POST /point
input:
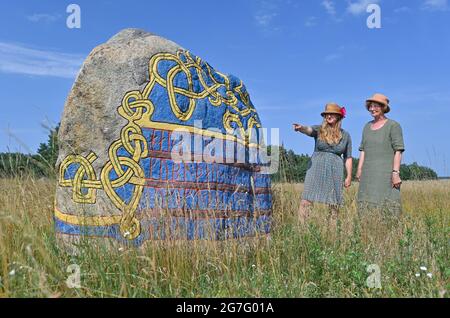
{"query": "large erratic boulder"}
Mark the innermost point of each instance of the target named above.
(156, 144)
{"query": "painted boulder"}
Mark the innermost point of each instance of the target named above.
(156, 144)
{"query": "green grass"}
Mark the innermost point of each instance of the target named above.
(312, 261)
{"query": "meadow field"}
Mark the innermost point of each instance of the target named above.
(316, 260)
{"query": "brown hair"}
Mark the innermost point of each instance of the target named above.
(383, 107)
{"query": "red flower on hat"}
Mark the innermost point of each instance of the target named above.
(343, 111)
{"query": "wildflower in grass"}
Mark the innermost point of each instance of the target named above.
(423, 268)
(430, 275)
(12, 273)
(417, 274)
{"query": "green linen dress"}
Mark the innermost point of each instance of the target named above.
(325, 175)
(375, 187)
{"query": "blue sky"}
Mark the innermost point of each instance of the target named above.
(293, 56)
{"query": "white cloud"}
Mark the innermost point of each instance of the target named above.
(19, 59)
(436, 5)
(360, 6)
(329, 7)
(265, 15)
(332, 57)
(343, 51)
(402, 9)
(44, 17)
(266, 12)
(310, 22)
(264, 19)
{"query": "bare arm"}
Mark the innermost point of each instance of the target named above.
(307, 130)
(360, 165)
(348, 168)
(396, 181)
(397, 160)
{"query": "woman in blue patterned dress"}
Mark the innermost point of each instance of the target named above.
(333, 150)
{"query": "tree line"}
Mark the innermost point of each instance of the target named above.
(292, 167)
(41, 164)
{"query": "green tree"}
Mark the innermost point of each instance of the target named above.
(41, 164)
(47, 153)
(421, 173)
(405, 172)
(14, 164)
(293, 168)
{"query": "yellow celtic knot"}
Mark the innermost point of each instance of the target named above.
(78, 182)
(186, 65)
(127, 169)
(246, 134)
(137, 109)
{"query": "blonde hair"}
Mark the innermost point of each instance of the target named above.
(332, 135)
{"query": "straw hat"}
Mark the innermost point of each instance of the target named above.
(333, 108)
(381, 99)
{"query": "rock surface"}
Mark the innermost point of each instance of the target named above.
(117, 175)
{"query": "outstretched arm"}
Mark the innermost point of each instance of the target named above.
(307, 130)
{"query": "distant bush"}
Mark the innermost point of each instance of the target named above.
(293, 168)
(416, 172)
(41, 164)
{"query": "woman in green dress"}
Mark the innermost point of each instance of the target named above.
(379, 161)
(324, 179)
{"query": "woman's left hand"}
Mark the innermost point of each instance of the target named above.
(348, 182)
(396, 181)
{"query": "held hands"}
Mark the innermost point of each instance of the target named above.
(396, 181)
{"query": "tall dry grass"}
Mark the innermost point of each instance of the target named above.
(316, 260)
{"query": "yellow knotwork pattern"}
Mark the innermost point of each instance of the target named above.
(246, 134)
(188, 67)
(252, 123)
(127, 169)
(137, 109)
(79, 182)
